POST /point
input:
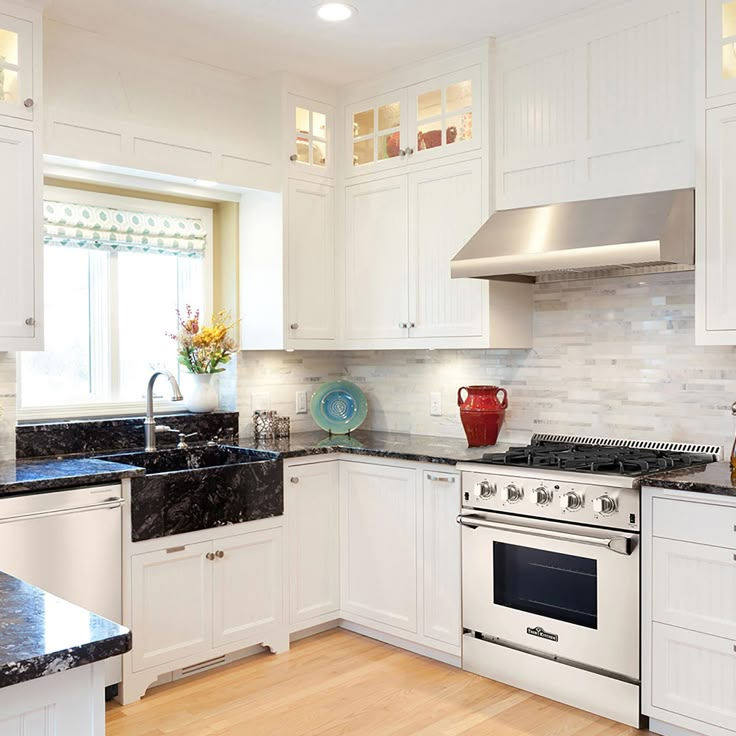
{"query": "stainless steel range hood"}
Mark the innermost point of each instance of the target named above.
(610, 236)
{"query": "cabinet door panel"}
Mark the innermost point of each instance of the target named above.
(441, 535)
(313, 523)
(172, 604)
(311, 254)
(17, 234)
(445, 211)
(376, 260)
(248, 597)
(720, 49)
(694, 675)
(720, 219)
(378, 539)
(16, 67)
(694, 587)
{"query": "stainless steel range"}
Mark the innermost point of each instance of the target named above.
(550, 545)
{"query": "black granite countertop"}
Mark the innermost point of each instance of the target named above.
(419, 448)
(714, 478)
(31, 476)
(41, 634)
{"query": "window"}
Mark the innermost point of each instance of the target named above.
(114, 276)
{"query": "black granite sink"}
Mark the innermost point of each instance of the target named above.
(201, 488)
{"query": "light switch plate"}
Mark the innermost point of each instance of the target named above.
(261, 401)
(435, 404)
(301, 402)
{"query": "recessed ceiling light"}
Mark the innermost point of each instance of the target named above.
(335, 11)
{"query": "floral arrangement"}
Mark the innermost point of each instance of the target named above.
(203, 348)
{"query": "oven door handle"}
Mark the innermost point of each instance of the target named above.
(620, 545)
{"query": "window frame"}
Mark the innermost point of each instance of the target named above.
(121, 408)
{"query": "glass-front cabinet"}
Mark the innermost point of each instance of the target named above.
(444, 114)
(375, 134)
(16, 67)
(310, 136)
(438, 117)
(721, 47)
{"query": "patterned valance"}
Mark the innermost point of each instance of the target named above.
(106, 228)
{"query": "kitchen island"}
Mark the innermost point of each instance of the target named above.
(52, 678)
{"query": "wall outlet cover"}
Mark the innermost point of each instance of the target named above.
(301, 402)
(435, 404)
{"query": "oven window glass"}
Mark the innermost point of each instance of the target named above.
(562, 587)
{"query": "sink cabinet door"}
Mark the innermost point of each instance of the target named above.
(172, 604)
(248, 591)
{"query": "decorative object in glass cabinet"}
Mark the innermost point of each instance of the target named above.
(728, 27)
(445, 115)
(377, 134)
(311, 137)
(8, 66)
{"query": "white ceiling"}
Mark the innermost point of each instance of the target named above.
(256, 37)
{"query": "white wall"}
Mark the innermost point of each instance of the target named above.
(126, 105)
(612, 357)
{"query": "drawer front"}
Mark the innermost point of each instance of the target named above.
(714, 525)
(694, 675)
(694, 587)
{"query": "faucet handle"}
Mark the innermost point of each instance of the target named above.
(164, 428)
(183, 437)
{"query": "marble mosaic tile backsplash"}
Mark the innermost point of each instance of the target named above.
(612, 357)
(7, 406)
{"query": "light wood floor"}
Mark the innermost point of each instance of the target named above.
(342, 683)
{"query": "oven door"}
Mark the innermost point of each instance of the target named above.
(554, 588)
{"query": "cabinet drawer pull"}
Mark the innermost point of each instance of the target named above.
(219, 554)
(293, 157)
(440, 478)
(210, 556)
(294, 326)
(172, 550)
(30, 322)
(294, 479)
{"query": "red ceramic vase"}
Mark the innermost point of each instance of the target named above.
(482, 413)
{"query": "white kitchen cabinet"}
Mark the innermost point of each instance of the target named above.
(376, 260)
(310, 251)
(716, 244)
(172, 613)
(247, 588)
(688, 612)
(401, 233)
(597, 104)
(310, 142)
(441, 556)
(312, 508)
(21, 252)
(379, 542)
(16, 66)
(720, 46)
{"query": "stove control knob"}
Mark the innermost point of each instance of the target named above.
(541, 496)
(570, 501)
(484, 489)
(604, 505)
(512, 493)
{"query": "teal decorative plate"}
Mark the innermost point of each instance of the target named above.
(338, 407)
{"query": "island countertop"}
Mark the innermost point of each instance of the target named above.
(41, 634)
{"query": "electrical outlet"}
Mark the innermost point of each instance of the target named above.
(435, 404)
(261, 401)
(301, 402)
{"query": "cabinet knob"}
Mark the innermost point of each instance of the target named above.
(28, 102)
(403, 325)
(210, 556)
(293, 157)
(294, 479)
(409, 150)
(412, 324)
(402, 152)
(219, 554)
(31, 322)
(294, 326)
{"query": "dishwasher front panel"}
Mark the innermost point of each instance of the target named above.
(68, 543)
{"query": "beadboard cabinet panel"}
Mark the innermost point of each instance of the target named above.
(586, 101)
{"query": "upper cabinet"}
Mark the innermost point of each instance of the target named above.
(437, 117)
(598, 104)
(16, 67)
(311, 137)
(21, 251)
(721, 47)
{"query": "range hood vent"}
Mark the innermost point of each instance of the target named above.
(599, 237)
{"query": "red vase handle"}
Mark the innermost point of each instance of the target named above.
(460, 399)
(505, 402)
